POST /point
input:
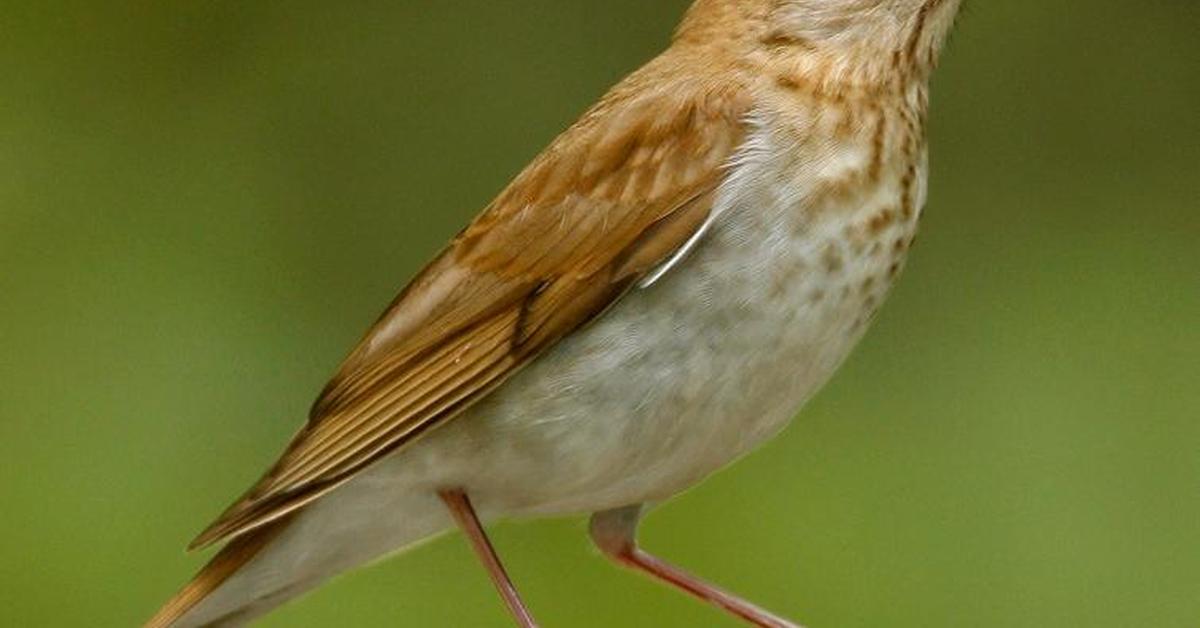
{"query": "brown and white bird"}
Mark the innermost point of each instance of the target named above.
(654, 296)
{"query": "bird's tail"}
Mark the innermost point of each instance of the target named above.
(227, 562)
(359, 523)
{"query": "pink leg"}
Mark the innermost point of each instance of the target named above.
(464, 516)
(615, 533)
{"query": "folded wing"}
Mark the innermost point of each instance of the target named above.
(608, 202)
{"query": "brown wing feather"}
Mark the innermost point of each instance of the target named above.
(607, 202)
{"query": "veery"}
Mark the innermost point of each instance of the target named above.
(654, 296)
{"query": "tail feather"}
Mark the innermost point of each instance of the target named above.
(381, 512)
(228, 561)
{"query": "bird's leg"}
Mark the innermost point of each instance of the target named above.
(615, 533)
(464, 515)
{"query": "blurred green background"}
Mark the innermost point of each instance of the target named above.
(203, 204)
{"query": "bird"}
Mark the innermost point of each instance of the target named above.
(654, 296)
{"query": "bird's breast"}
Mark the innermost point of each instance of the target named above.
(681, 377)
(813, 226)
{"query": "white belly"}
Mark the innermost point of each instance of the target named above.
(680, 378)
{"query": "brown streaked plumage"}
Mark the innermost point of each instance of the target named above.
(793, 130)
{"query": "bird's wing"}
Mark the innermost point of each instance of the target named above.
(609, 200)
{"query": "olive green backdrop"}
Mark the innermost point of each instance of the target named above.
(203, 205)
